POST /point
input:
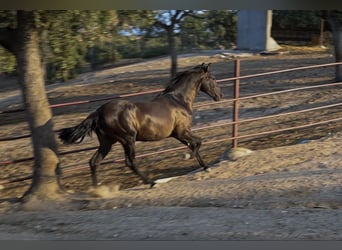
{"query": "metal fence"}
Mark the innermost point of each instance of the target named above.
(236, 100)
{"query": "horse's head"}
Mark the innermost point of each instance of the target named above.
(209, 84)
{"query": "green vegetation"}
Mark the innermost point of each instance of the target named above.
(73, 41)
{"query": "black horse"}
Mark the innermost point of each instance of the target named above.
(168, 115)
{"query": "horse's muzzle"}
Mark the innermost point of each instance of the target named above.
(218, 97)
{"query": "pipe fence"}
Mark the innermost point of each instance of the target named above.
(234, 123)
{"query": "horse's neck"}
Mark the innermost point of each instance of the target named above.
(187, 92)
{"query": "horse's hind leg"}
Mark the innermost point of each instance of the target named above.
(129, 147)
(100, 154)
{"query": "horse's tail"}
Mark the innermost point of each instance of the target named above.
(76, 134)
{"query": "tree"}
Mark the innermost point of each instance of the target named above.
(310, 20)
(193, 33)
(72, 37)
(67, 39)
(222, 27)
(169, 21)
(23, 42)
(22, 36)
(334, 18)
(304, 20)
(211, 29)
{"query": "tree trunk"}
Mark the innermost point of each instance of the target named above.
(172, 51)
(335, 20)
(337, 34)
(46, 172)
(92, 58)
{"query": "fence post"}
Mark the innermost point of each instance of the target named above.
(236, 104)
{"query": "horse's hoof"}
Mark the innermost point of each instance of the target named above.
(207, 170)
(187, 156)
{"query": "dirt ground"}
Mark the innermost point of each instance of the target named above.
(288, 187)
(285, 193)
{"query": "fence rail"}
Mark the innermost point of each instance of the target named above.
(234, 123)
(60, 105)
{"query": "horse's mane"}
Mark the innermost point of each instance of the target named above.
(176, 81)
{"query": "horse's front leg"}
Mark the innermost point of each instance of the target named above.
(194, 143)
(129, 148)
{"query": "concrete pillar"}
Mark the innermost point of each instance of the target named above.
(254, 31)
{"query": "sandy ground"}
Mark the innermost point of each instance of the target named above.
(288, 198)
(287, 192)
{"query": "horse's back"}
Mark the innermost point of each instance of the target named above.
(147, 121)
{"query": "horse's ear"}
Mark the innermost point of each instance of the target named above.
(202, 67)
(205, 67)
